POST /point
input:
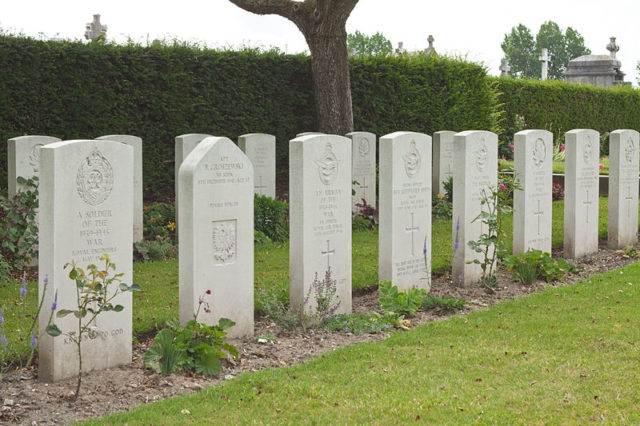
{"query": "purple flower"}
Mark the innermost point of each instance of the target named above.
(54, 306)
(46, 280)
(3, 340)
(424, 249)
(456, 244)
(458, 225)
(2, 315)
(34, 340)
(23, 289)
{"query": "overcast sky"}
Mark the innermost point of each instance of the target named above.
(473, 29)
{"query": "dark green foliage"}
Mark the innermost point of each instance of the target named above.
(161, 248)
(360, 44)
(402, 302)
(271, 218)
(18, 227)
(159, 221)
(534, 264)
(442, 304)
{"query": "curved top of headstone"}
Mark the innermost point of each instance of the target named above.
(36, 138)
(254, 135)
(125, 139)
(207, 146)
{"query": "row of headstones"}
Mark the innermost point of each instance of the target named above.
(86, 205)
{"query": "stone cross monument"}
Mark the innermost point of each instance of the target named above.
(504, 68)
(95, 29)
(430, 50)
(544, 58)
(400, 50)
(612, 47)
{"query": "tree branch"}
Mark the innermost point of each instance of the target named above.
(286, 8)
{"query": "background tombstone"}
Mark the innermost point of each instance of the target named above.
(363, 168)
(24, 158)
(261, 150)
(184, 144)
(582, 155)
(299, 135)
(475, 169)
(86, 210)
(405, 210)
(623, 188)
(320, 216)
(442, 160)
(532, 206)
(138, 204)
(216, 235)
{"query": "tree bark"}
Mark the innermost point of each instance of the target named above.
(322, 22)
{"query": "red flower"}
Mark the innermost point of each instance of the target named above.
(208, 311)
(561, 147)
(502, 186)
(208, 291)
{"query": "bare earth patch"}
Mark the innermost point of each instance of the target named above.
(27, 401)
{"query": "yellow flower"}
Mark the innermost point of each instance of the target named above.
(171, 226)
(440, 196)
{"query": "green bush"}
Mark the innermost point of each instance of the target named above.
(18, 226)
(159, 222)
(532, 264)
(271, 218)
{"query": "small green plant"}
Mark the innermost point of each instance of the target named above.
(267, 337)
(195, 347)
(162, 248)
(159, 222)
(366, 218)
(442, 303)
(325, 297)
(496, 203)
(18, 227)
(5, 269)
(94, 296)
(532, 264)
(273, 302)
(271, 217)
(402, 302)
(365, 323)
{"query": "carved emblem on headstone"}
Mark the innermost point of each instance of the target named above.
(481, 155)
(539, 152)
(34, 157)
(328, 165)
(363, 147)
(588, 151)
(94, 179)
(412, 160)
(224, 241)
(629, 151)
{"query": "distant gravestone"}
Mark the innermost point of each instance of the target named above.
(216, 235)
(320, 217)
(299, 135)
(136, 143)
(623, 188)
(581, 191)
(363, 168)
(24, 159)
(184, 144)
(532, 206)
(405, 210)
(442, 160)
(476, 154)
(86, 211)
(261, 150)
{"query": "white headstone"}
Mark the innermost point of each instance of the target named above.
(183, 146)
(405, 210)
(299, 135)
(476, 169)
(136, 143)
(320, 217)
(86, 211)
(261, 150)
(442, 160)
(532, 206)
(216, 235)
(582, 155)
(544, 59)
(24, 158)
(363, 168)
(623, 188)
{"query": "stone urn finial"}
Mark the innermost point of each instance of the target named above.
(612, 47)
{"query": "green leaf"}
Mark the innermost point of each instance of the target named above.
(124, 287)
(64, 312)
(53, 330)
(135, 287)
(225, 323)
(207, 361)
(118, 308)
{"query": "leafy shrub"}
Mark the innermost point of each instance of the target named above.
(271, 217)
(260, 238)
(162, 248)
(159, 222)
(443, 203)
(366, 218)
(532, 264)
(273, 302)
(18, 227)
(5, 269)
(402, 302)
(557, 192)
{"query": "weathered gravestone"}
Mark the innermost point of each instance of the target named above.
(86, 211)
(405, 210)
(475, 170)
(261, 150)
(581, 192)
(442, 160)
(24, 159)
(623, 188)
(184, 144)
(136, 143)
(216, 235)
(319, 218)
(363, 168)
(532, 206)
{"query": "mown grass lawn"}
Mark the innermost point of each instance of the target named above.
(567, 355)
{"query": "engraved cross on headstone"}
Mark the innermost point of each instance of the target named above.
(629, 198)
(539, 214)
(260, 185)
(328, 253)
(587, 204)
(412, 230)
(364, 187)
(544, 58)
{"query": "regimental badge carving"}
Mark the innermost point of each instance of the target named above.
(587, 153)
(412, 160)
(363, 147)
(34, 158)
(629, 151)
(328, 165)
(224, 241)
(539, 152)
(94, 179)
(481, 155)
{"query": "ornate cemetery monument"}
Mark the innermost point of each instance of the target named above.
(405, 210)
(320, 217)
(86, 211)
(216, 235)
(597, 70)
